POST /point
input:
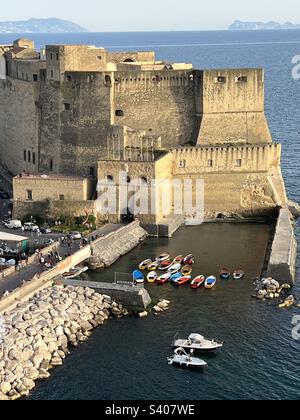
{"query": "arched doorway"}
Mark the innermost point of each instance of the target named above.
(127, 216)
(129, 60)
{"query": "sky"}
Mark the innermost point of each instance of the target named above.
(154, 15)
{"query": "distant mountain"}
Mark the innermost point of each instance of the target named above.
(255, 26)
(51, 25)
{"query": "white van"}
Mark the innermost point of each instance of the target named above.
(14, 224)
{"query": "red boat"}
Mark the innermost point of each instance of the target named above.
(183, 280)
(163, 279)
(189, 260)
(198, 282)
(179, 259)
(165, 265)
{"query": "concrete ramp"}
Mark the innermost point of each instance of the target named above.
(129, 296)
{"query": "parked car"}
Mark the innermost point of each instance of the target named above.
(76, 236)
(46, 230)
(31, 227)
(13, 224)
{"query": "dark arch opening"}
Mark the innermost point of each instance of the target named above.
(129, 60)
(108, 80)
(119, 113)
(127, 216)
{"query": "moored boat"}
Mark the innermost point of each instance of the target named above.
(163, 279)
(153, 266)
(145, 264)
(165, 265)
(197, 282)
(187, 270)
(163, 257)
(175, 277)
(152, 277)
(138, 277)
(183, 359)
(210, 282)
(183, 280)
(197, 342)
(174, 268)
(189, 260)
(179, 259)
(238, 274)
(225, 274)
(75, 272)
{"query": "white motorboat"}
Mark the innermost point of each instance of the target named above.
(183, 359)
(197, 342)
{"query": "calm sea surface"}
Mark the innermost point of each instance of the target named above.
(126, 359)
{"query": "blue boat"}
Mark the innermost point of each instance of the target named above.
(138, 277)
(175, 277)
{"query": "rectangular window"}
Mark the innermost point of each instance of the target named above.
(182, 164)
(67, 107)
(61, 197)
(51, 56)
(238, 163)
(210, 163)
(241, 79)
(35, 77)
(29, 156)
(51, 165)
(52, 74)
(29, 195)
(57, 57)
(220, 79)
(92, 171)
(25, 155)
(33, 158)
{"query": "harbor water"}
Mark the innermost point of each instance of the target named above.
(126, 359)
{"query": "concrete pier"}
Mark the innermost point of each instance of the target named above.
(129, 296)
(282, 263)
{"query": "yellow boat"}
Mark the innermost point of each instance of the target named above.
(144, 264)
(187, 270)
(152, 277)
(153, 266)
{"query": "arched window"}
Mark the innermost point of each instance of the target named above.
(108, 80)
(119, 113)
(128, 60)
(143, 180)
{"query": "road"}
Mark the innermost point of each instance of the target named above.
(27, 273)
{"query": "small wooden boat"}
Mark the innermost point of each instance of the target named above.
(183, 280)
(183, 359)
(152, 277)
(165, 265)
(175, 277)
(210, 282)
(238, 274)
(187, 270)
(174, 268)
(179, 259)
(153, 266)
(75, 272)
(145, 264)
(163, 257)
(225, 274)
(138, 277)
(197, 282)
(189, 260)
(163, 279)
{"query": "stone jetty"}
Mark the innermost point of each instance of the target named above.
(36, 335)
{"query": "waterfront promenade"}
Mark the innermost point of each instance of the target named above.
(27, 273)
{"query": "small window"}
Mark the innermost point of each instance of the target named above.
(242, 79)
(25, 155)
(238, 163)
(35, 77)
(51, 56)
(108, 80)
(29, 195)
(144, 180)
(67, 106)
(61, 197)
(69, 78)
(119, 113)
(29, 156)
(52, 74)
(182, 164)
(51, 165)
(90, 78)
(92, 171)
(57, 57)
(128, 179)
(110, 178)
(33, 158)
(220, 79)
(99, 57)
(210, 163)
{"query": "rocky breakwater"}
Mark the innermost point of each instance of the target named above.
(35, 337)
(270, 289)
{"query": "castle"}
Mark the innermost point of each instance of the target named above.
(73, 115)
